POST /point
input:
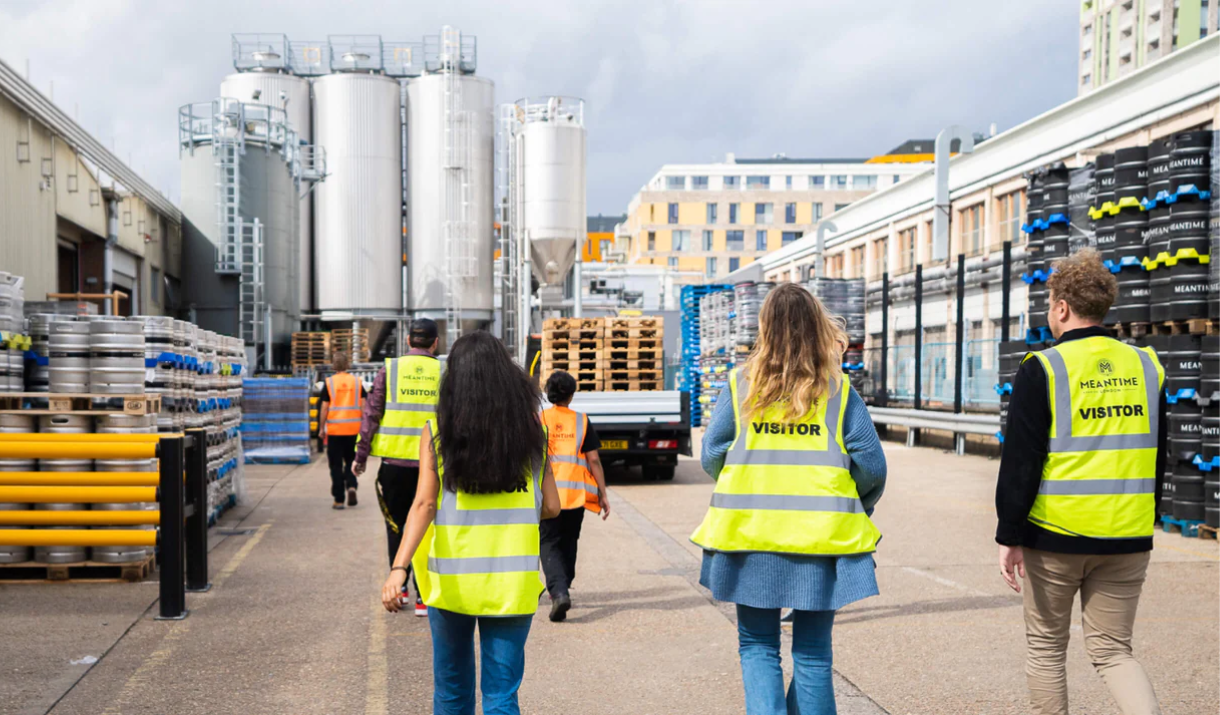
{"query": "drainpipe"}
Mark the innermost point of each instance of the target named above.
(940, 215)
(112, 239)
(819, 261)
(577, 308)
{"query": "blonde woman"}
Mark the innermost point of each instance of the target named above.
(798, 468)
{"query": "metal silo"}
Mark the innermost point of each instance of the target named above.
(551, 156)
(358, 209)
(450, 189)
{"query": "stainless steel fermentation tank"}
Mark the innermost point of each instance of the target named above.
(289, 92)
(450, 197)
(358, 209)
(551, 157)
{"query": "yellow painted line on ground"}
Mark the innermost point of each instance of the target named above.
(240, 556)
(1200, 554)
(377, 696)
(137, 686)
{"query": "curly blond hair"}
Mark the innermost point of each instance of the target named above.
(1088, 286)
(798, 357)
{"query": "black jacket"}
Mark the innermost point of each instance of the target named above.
(1026, 445)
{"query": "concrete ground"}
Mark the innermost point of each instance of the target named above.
(294, 625)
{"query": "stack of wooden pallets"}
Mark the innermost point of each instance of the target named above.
(310, 349)
(574, 345)
(354, 342)
(633, 358)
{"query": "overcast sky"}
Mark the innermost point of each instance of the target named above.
(663, 81)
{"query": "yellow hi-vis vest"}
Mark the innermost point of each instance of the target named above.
(577, 486)
(480, 556)
(1099, 479)
(411, 388)
(786, 486)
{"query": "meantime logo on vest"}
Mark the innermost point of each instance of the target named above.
(802, 429)
(1107, 381)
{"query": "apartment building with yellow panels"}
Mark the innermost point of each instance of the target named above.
(703, 221)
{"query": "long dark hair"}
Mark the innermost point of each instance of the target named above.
(489, 431)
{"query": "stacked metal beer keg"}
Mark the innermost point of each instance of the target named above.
(1179, 258)
(116, 357)
(63, 424)
(16, 424)
(68, 356)
(1123, 223)
(1037, 267)
(123, 424)
(12, 321)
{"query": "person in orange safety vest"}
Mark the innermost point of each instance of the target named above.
(582, 485)
(342, 400)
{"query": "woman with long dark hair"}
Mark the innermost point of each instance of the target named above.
(798, 469)
(472, 532)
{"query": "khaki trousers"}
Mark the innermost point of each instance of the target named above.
(1109, 589)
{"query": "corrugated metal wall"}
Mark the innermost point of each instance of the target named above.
(27, 201)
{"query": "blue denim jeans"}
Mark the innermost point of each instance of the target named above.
(812, 688)
(502, 643)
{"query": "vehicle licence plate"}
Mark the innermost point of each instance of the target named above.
(614, 444)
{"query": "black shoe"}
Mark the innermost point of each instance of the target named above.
(351, 496)
(559, 607)
(337, 505)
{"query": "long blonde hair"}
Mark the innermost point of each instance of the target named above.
(798, 357)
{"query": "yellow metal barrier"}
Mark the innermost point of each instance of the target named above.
(80, 479)
(82, 438)
(31, 517)
(78, 537)
(29, 449)
(71, 495)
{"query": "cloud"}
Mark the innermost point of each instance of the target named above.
(664, 81)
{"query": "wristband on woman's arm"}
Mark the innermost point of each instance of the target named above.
(398, 568)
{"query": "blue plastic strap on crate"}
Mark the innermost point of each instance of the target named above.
(1124, 262)
(1054, 219)
(1207, 466)
(36, 358)
(853, 366)
(1186, 393)
(1005, 389)
(1000, 436)
(1191, 190)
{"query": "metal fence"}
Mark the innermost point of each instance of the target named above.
(980, 370)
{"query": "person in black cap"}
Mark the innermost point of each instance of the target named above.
(403, 400)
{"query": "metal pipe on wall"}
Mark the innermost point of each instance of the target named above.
(913, 435)
(1005, 298)
(959, 332)
(578, 288)
(940, 213)
(885, 338)
(112, 239)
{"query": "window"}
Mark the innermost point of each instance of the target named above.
(760, 240)
(897, 178)
(881, 256)
(1088, 30)
(604, 247)
(840, 207)
(1087, 55)
(154, 285)
(681, 241)
(789, 237)
(732, 182)
(857, 262)
(758, 182)
(675, 183)
(673, 213)
(733, 213)
(834, 266)
(735, 240)
(698, 183)
(711, 267)
(1202, 19)
(1008, 208)
(734, 263)
(789, 213)
(652, 240)
(1086, 80)
(838, 182)
(972, 230)
(673, 261)
(863, 182)
(817, 211)
(763, 214)
(817, 182)
(788, 182)
(707, 240)
(711, 212)
(906, 250)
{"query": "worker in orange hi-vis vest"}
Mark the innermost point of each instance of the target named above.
(582, 485)
(342, 400)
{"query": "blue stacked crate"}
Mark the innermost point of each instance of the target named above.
(275, 420)
(689, 374)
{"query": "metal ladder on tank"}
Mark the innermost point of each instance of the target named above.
(460, 264)
(227, 152)
(506, 267)
(251, 300)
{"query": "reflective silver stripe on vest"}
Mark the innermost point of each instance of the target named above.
(401, 431)
(331, 421)
(1097, 486)
(579, 486)
(391, 388)
(780, 502)
(481, 564)
(1063, 441)
(565, 459)
(832, 456)
(409, 407)
(449, 514)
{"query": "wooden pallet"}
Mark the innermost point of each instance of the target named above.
(634, 385)
(648, 364)
(1130, 330)
(94, 571)
(1207, 532)
(570, 345)
(632, 354)
(571, 366)
(640, 375)
(66, 404)
(641, 322)
(571, 354)
(1197, 326)
(634, 333)
(636, 343)
(588, 385)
